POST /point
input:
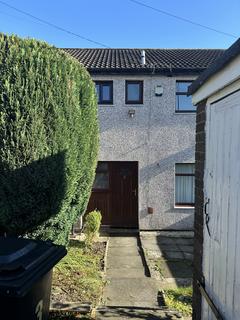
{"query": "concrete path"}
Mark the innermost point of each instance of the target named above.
(169, 256)
(130, 292)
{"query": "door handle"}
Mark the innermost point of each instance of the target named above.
(207, 217)
(135, 192)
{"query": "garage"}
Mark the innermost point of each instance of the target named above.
(217, 221)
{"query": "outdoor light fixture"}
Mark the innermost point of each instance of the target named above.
(131, 113)
(150, 210)
(158, 91)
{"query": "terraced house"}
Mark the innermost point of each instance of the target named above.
(145, 175)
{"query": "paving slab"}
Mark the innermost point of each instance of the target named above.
(173, 255)
(160, 240)
(188, 256)
(133, 273)
(171, 234)
(186, 248)
(123, 241)
(141, 292)
(185, 241)
(175, 269)
(173, 283)
(160, 247)
(123, 251)
(124, 262)
(124, 313)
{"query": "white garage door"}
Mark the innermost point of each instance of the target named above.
(221, 257)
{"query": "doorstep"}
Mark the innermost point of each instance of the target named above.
(110, 231)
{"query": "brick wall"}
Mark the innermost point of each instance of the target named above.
(199, 203)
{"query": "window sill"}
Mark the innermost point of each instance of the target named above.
(184, 207)
(185, 112)
(106, 105)
(134, 102)
(134, 105)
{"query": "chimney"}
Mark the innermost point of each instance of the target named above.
(143, 58)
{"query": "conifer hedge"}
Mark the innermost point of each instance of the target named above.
(48, 139)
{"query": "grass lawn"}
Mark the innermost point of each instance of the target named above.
(78, 276)
(179, 299)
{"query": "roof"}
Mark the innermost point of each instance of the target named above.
(157, 60)
(219, 64)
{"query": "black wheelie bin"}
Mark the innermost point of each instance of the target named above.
(26, 277)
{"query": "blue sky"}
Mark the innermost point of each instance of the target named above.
(124, 24)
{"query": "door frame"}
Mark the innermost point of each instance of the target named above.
(108, 191)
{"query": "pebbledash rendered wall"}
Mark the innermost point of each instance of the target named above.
(157, 138)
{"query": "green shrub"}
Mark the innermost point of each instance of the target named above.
(48, 139)
(92, 226)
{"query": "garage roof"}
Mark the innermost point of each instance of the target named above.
(220, 63)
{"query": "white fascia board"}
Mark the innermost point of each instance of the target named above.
(224, 77)
(234, 86)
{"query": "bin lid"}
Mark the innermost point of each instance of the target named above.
(24, 261)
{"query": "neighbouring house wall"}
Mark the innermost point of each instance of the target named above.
(157, 138)
(199, 204)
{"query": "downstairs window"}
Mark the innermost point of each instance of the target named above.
(184, 184)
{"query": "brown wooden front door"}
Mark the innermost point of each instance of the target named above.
(115, 193)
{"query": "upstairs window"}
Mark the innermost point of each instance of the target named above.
(183, 102)
(184, 184)
(134, 92)
(104, 91)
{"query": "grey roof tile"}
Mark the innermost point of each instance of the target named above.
(159, 60)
